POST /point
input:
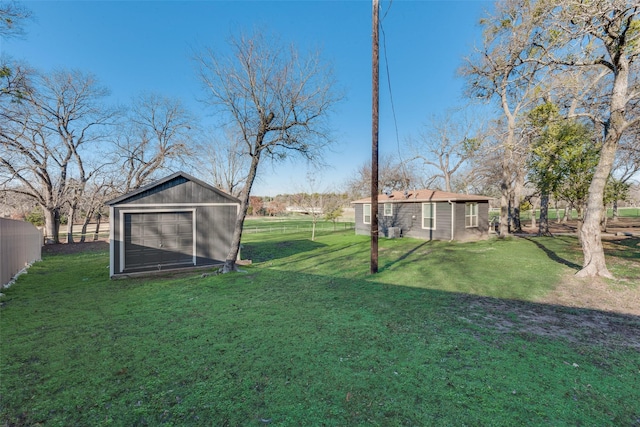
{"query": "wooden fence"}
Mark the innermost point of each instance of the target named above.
(20, 245)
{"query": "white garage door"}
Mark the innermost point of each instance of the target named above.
(158, 239)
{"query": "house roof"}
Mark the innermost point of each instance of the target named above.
(165, 180)
(424, 195)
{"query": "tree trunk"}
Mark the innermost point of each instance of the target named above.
(594, 260)
(70, 220)
(503, 230)
(51, 225)
(517, 200)
(96, 233)
(85, 225)
(505, 193)
(447, 181)
(603, 222)
(230, 262)
(517, 224)
(567, 212)
(589, 228)
(615, 211)
(543, 229)
(533, 215)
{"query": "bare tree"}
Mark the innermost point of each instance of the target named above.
(604, 37)
(225, 162)
(501, 71)
(13, 16)
(317, 203)
(445, 145)
(393, 175)
(100, 189)
(277, 101)
(157, 132)
(48, 126)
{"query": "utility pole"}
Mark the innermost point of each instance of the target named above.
(374, 139)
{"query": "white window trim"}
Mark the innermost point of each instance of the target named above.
(390, 206)
(364, 213)
(433, 215)
(474, 224)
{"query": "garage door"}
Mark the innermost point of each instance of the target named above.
(158, 239)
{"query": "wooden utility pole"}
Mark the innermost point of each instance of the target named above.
(374, 140)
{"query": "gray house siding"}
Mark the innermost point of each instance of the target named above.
(408, 217)
(361, 228)
(462, 232)
(180, 222)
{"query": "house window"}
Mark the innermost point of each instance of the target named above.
(388, 209)
(470, 215)
(429, 216)
(366, 214)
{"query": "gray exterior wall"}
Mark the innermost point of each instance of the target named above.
(472, 233)
(214, 216)
(408, 216)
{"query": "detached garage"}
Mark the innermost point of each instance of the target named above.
(176, 222)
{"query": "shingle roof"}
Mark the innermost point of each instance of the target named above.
(424, 195)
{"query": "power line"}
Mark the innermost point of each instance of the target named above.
(393, 108)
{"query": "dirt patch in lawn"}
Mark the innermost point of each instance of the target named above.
(623, 226)
(595, 293)
(74, 248)
(576, 325)
(581, 310)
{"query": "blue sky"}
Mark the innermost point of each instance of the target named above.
(135, 46)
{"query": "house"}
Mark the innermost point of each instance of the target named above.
(426, 214)
(175, 222)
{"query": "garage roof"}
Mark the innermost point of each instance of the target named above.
(162, 181)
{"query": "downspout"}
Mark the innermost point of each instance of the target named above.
(453, 218)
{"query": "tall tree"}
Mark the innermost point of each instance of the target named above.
(562, 160)
(500, 71)
(157, 133)
(393, 175)
(603, 36)
(13, 16)
(48, 126)
(445, 146)
(276, 100)
(223, 160)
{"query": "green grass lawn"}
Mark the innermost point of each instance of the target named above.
(305, 336)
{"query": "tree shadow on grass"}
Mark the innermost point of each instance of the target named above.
(268, 251)
(554, 256)
(624, 247)
(404, 256)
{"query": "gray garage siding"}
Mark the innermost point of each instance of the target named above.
(178, 221)
(212, 242)
(222, 236)
(178, 190)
